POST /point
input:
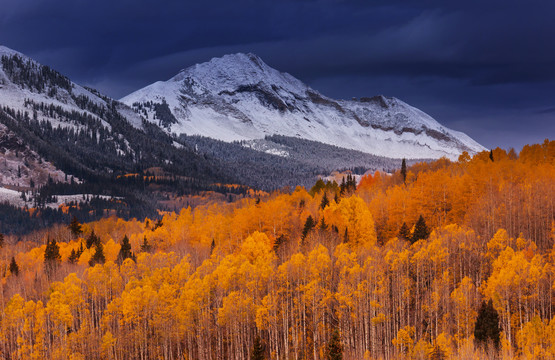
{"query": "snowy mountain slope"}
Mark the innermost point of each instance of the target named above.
(23, 80)
(82, 132)
(20, 166)
(239, 97)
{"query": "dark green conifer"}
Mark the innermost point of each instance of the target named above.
(146, 247)
(421, 230)
(334, 350)
(404, 232)
(257, 349)
(92, 240)
(343, 187)
(346, 236)
(325, 201)
(14, 268)
(52, 257)
(280, 240)
(486, 329)
(98, 257)
(404, 171)
(323, 225)
(125, 251)
(308, 225)
(75, 227)
(72, 259)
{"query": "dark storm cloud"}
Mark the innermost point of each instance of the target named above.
(483, 67)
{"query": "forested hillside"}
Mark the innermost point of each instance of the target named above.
(441, 260)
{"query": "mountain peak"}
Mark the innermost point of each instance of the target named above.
(229, 72)
(240, 97)
(4, 50)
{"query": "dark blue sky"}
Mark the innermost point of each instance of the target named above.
(483, 67)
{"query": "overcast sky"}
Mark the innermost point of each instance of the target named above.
(483, 67)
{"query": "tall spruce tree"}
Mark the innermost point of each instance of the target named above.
(404, 232)
(14, 268)
(125, 251)
(280, 240)
(98, 257)
(404, 171)
(257, 349)
(346, 236)
(308, 226)
(486, 329)
(75, 227)
(1, 240)
(92, 240)
(325, 201)
(421, 230)
(72, 259)
(323, 225)
(334, 351)
(52, 257)
(146, 247)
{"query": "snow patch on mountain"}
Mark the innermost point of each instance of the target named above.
(15, 97)
(20, 166)
(239, 97)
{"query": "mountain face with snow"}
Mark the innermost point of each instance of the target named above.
(58, 138)
(239, 97)
(80, 131)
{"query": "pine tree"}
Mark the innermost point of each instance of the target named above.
(125, 251)
(212, 246)
(146, 247)
(421, 230)
(52, 257)
(404, 171)
(14, 268)
(404, 232)
(257, 349)
(323, 225)
(92, 240)
(72, 259)
(1, 240)
(98, 257)
(346, 236)
(334, 350)
(491, 155)
(325, 201)
(280, 240)
(75, 227)
(342, 187)
(308, 225)
(486, 328)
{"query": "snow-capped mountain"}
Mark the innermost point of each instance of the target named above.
(239, 97)
(24, 81)
(75, 129)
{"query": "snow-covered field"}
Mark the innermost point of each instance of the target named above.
(13, 197)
